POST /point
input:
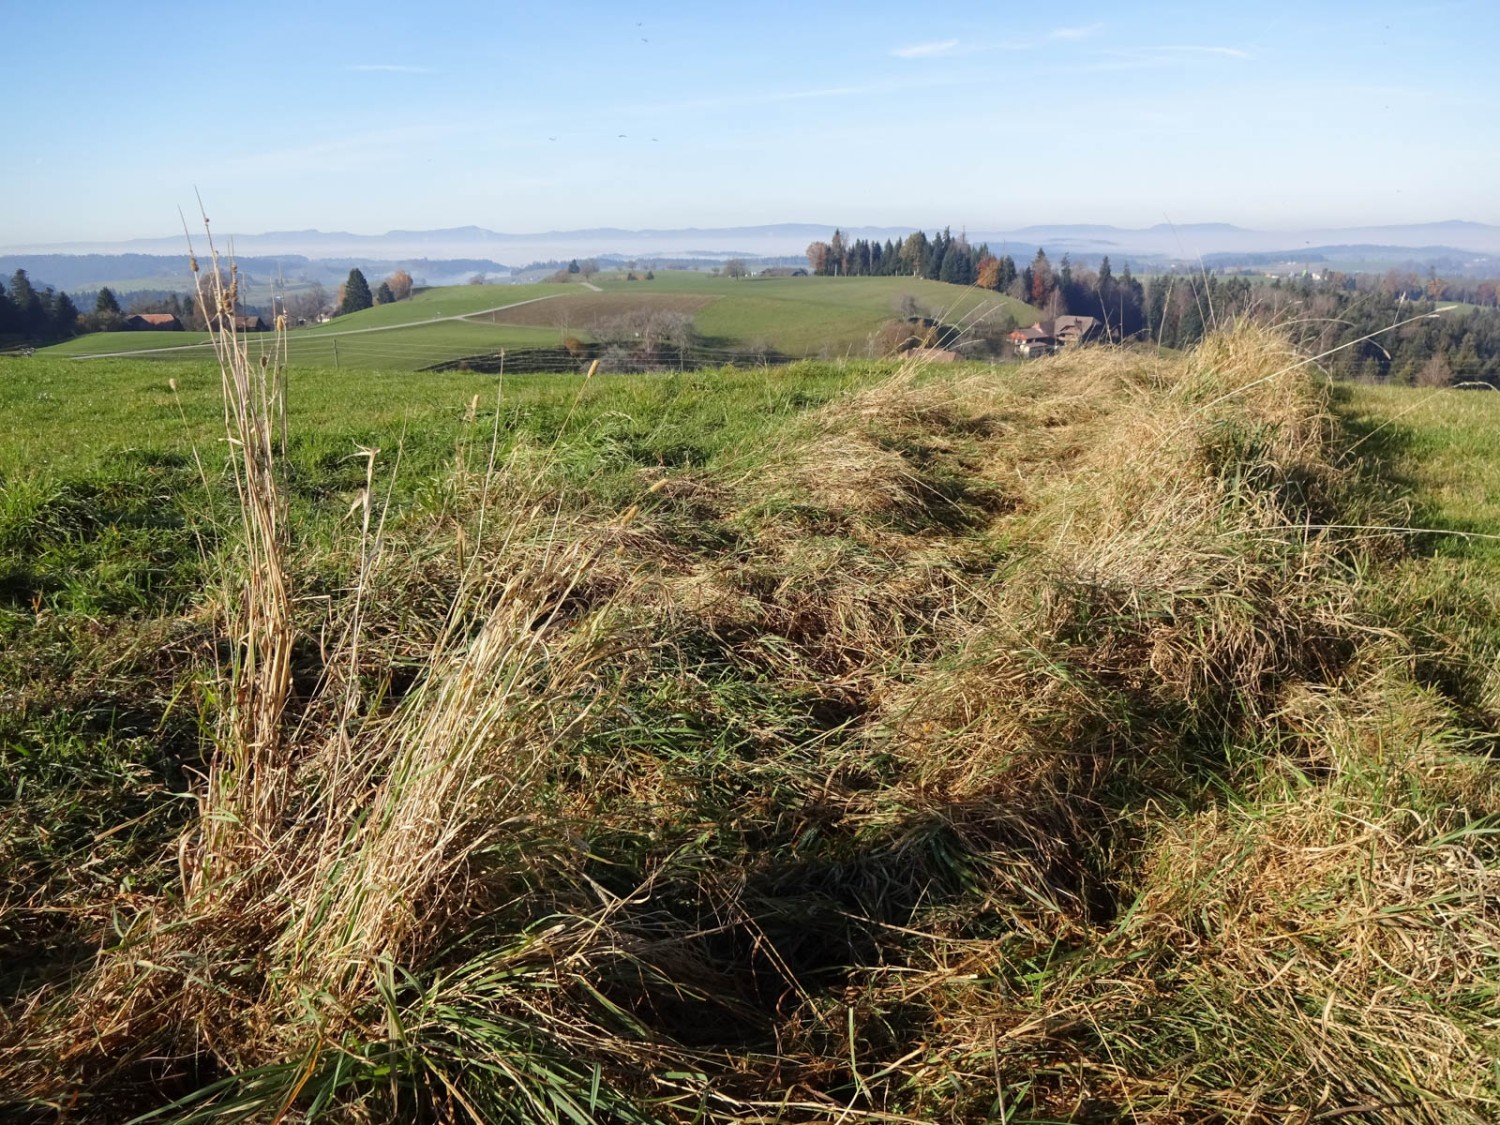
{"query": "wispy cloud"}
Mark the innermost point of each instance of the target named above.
(386, 68)
(1226, 52)
(1076, 32)
(927, 50)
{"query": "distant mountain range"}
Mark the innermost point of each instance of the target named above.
(478, 249)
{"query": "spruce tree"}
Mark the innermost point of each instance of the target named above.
(948, 270)
(106, 311)
(383, 294)
(31, 312)
(356, 294)
(63, 317)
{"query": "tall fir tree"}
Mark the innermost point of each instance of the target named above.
(356, 294)
(62, 317)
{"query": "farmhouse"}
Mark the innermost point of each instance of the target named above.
(1049, 335)
(1075, 329)
(1033, 341)
(153, 322)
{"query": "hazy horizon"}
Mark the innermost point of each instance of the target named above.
(368, 118)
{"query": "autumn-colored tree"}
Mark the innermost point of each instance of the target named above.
(400, 283)
(989, 274)
(1042, 281)
(817, 258)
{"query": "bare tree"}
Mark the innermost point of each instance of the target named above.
(307, 304)
(644, 338)
(735, 268)
(1436, 372)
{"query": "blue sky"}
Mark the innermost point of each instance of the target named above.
(374, 116)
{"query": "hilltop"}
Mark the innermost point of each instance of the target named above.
(749, 319)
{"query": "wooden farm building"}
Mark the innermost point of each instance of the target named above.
(153, 322)
(1060, 332)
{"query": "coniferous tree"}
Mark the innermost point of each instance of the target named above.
(383, 294)
(107, 315)
(31, 313)
(10, 319)
(63, 317)
(948, 266)
(356, 294)
(1007, 272)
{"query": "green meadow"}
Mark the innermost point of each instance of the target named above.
(812, 316)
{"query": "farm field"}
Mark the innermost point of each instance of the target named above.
(793, 316)
(1445, 447)
(1089, 739)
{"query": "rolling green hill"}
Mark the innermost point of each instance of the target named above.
(805, 316)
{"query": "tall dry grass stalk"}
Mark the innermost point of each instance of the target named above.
(245, 796)
(334, 839)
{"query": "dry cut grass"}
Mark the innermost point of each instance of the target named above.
(1018, 748)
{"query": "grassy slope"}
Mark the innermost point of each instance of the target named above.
(393, 348)
(797, 316)
(811, 315)
(61, 419)
(102, 342)
(979, 747)
(1446, 446)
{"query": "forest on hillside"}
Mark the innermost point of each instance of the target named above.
(1396, 326)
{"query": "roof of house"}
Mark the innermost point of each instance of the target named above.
(156, 318)
(1081, 324)
(1035, 332)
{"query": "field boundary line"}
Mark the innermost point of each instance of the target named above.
(332, 335)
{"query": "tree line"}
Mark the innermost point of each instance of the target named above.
(1369, 326)
(944, 257)
(1364, 327)
(1118, 301)
(35, 316)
